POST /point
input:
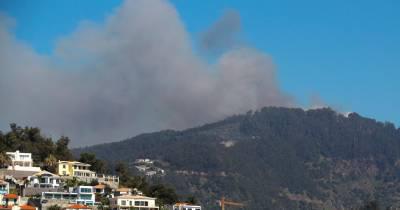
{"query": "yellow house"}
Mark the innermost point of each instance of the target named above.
(75, 169)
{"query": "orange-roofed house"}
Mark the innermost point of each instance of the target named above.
(15, 207)
(9, 200)
(100, 188)
(77, 207)
(27, 207)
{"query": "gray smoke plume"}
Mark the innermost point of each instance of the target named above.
(223, 34)
(136, 72)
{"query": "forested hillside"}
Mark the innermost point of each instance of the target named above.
(30, 139)
(275, 158)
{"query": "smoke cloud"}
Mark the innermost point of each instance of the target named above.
(223, 34)
(136, 72)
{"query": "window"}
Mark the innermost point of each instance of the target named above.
(123, 203)
(48, 196)
(141, 203)
(86, 190)
(64, 166)
(130, 203)
(86, 197)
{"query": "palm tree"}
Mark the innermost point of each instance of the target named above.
(5, 160)
(50, 163)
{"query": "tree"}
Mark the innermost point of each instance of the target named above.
(5, 160)
(54, 207)
(137, 182)
(72, 182)
(372, 205)
(123, 172)
(62, 151)
(104, 203)
(191, 199)
(50, 163)
(95, 164)
(94, 182)
(165, 195)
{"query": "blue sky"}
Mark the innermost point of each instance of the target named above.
(345, 52)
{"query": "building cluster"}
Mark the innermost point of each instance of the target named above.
(146, 167)
(26, 187)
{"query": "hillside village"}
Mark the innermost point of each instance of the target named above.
(72, 186)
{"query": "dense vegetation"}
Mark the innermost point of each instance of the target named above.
(275, 158)
(30, 139)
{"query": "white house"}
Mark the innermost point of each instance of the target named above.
(123, 191)
(80, 195)
(185, 206)
(110, 180)
(4, 187)
(127, 202)
(142, 168)
(44, 179)
(86, 195)
(145, 160)
(21, 161)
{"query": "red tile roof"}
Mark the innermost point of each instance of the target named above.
(10, 196)
(27, 207)
(78, 206)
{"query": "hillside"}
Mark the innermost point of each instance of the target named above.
(275, 158)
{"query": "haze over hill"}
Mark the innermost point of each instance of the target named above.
(275, 158)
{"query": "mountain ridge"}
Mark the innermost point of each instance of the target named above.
(275, 158)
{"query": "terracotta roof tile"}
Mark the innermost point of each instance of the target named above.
(11, 196)
(78, 206)
(27, 207)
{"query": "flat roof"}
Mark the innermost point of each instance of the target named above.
(65, 193)
(74, 163)
(186, 204)
(134, 197)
